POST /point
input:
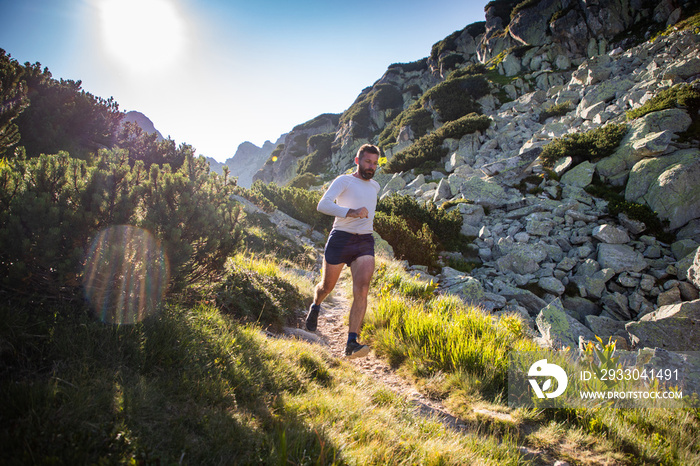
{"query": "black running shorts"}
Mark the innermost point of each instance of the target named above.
(343, 247)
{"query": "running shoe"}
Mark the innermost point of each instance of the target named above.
(355, 350)
(312, 317)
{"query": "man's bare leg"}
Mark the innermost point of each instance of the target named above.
(362, 269)
(329, 277)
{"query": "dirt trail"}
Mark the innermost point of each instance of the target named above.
(333, 330)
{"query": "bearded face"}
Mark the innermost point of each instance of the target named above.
(367, 173)
(367, 165)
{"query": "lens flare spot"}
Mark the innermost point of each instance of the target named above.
(126, 274)
(274, 158)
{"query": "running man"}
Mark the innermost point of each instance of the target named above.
(352, 200)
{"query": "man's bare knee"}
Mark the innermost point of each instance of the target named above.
(324, 288)
(360, 289)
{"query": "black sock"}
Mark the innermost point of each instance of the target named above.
(352, 337)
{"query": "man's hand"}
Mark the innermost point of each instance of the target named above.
(362, 212)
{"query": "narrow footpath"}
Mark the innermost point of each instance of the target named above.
(332, 331)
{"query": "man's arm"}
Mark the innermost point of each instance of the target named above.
(327, 203)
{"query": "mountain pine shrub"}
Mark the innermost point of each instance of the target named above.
(417, 247)
(386, 96)
(523, 5)
(321, 120)
(305, 181)
(449, 43)
(420, 65)
(685, 96)
(457, 97)
(555, 110)
(274, 155)
(502, 9)
(592, 145)
(295, 202)
(320, 151)
(358, 113)
(146, 147)
(618, 204)
(63, 117)
(426, 149)
(450, 61)
(473, 69)
(51, 207)
(419, 119)
(13, 100)
(446, 226)
(465, 125)
(429, 147)
(445, 45)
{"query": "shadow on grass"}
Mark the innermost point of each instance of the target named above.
(186, 386)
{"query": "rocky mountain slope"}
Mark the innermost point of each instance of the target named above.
(247, 160)
(573, 261)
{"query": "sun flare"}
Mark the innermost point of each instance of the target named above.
(142, 36)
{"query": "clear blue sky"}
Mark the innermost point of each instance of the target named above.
(215, 73)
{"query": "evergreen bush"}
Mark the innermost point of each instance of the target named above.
(386, 96)
(555, 110)
(320, 151)
(445, 45)
(426, 149)
(445, 226)
(429, 147)
(295, 202)
(320, 120)
(473, 69)
(13, 100)
(256, 198)
(618, 204)
(146, 147)
(51, 207)
(415, 247)
(457, 97)
(274, 155)
(592, 145)
(502, 9)
(297, 148)
(680, 95)
(465, 125)
(523, 5)
(63, 117)
(358, 113)
(450, 61)
(305, 181)
(420, 65)
(419, 119)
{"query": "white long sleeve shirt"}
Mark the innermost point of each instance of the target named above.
(349, 192)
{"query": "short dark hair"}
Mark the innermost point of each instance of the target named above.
(368, 149)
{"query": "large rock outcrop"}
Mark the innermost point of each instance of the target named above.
(284, 168)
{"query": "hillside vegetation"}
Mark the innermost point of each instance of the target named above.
(145, 299)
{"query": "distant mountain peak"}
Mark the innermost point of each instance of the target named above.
(247, 160)
(143, 122)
